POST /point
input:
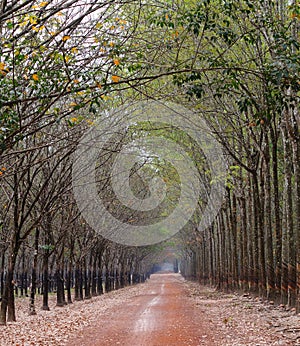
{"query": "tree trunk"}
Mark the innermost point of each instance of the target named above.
(2, 274)
(99, 281)
(233, 246)
(94, 276)
(277, 210)
(258, 241)
(68, 281)
(60, 293)
(34, 275)
(296, 168)
(77, 280)
(244, 245)
(45, 280)
(7, 311)
(288, 294)
(87, 279)
(271, 291)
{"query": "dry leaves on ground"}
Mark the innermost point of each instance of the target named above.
(237, 320)
(241, 320)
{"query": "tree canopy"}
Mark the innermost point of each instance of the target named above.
(232, 67)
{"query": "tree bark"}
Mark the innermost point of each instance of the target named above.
(34, 275)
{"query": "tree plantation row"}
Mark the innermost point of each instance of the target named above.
(98, 268)
(67, 66)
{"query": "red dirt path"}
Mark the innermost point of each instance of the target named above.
(162, 315)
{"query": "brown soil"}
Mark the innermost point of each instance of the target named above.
(163, 315)
(165, 311)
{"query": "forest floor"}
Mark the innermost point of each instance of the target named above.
(164, 311)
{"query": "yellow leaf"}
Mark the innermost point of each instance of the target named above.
(123, 21)
(23, 23)
(74, 120)
(105, 97)
(32, 20)
(43, 4)
(117, 62)
(2, 66)
(74, 50)
(73, 104)
(175, 34)
(115, 78)
(76, 81)
(99, 85)
(111, 44)
(80, 93)
(35, 77)
(66, 38)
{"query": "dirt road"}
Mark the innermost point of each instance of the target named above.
(162, 315)
(165, 311)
